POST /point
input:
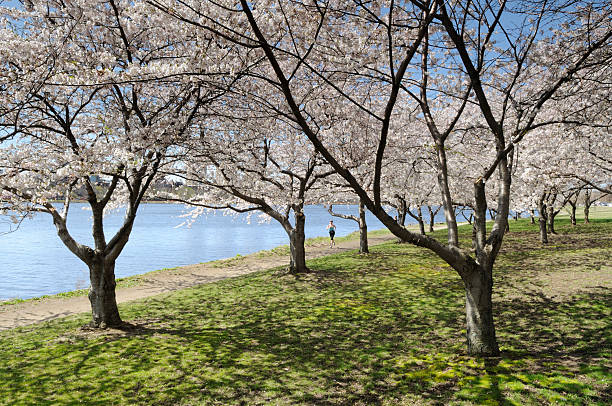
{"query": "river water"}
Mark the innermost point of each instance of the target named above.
(34, 262)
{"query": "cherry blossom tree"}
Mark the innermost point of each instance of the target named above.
(233, 166)
(372, 57)
(87, 120)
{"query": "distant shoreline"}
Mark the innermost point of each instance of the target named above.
(144, 201)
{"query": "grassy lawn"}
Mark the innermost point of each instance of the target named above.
(385, 328)
(595, 212)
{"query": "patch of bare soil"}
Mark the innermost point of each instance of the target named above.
(568, 265)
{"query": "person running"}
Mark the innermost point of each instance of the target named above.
(331, 227)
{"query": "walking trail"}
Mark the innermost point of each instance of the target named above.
(30, 312)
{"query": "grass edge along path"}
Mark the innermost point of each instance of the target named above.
(385, 328)
(14, 313)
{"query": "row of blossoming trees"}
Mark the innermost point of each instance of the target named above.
(270, 105)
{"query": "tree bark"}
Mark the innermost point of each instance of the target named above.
(102, 293)
(543, 233)
(587, 206)
(447, 201)
(542, 219)
(480, 334)
(573, 214)
(297, 238)
(401, 212)
(101, 266)
(432, 216)
(532, 215)
(419, 218)
(363, 230)
(550, 217)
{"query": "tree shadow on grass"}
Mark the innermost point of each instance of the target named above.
(344, 357)
(550, 343)
(375, 334)
(276, 354)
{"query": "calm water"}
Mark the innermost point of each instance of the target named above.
(34, 262)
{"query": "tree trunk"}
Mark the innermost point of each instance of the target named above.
(418, 217)
(532, 215)
(432, 215)
(363, 230)
(297, 238)
(542, 219)
(551, 220)
(401, 212)
(481, 338)
(102, 293)
(447, 201)
(587, 206)
(543, 233)
(420, 221)
(421, 226)
(573, 214)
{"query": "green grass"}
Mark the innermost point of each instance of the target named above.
(310, 242)
(135, 280)
(385, 328)
(595, 212)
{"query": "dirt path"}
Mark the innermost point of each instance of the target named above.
(25, 313)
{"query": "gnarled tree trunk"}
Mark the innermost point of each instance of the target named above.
(297, 238)
(543, 233)
(419, 219)
(550, 217)
(542, 220)
(363, 230)
(401, 211)
(587, 205)
(100, 261)
(432, 215)
(481, 338)
(102, 293)
(477, 276)
(573, 215)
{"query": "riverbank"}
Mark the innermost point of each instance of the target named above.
(15, 313)
(386, 328)
(34, 262)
